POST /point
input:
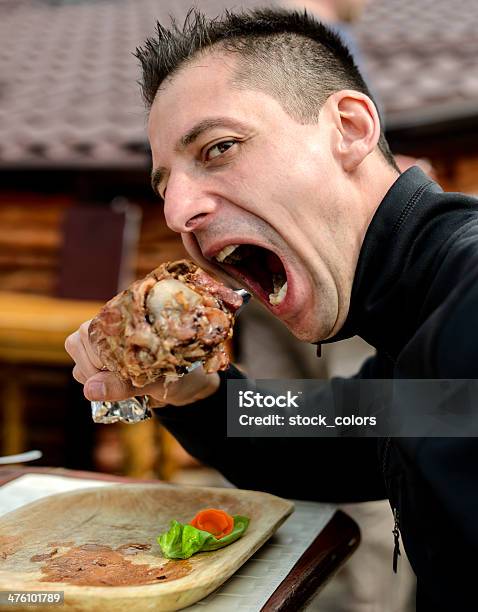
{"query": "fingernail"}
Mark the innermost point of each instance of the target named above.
(96, 390)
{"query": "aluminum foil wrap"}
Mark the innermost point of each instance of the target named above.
(132, 410)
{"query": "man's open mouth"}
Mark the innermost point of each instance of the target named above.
(258, 267)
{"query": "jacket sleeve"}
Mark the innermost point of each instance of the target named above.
(320, 469)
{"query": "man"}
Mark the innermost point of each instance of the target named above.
(263, 133)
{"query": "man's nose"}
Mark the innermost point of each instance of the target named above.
(186, 203)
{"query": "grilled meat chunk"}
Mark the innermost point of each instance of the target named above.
(161, 325)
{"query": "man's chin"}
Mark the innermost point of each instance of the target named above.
(305, 332)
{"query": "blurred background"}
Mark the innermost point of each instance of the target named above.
(78, 220)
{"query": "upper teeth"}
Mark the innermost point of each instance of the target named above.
(226, 251)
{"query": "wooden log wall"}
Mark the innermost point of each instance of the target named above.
(31, 238)
(459, 174)
(41, 405)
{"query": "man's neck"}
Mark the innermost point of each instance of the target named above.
(373, 181)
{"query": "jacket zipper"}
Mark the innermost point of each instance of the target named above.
(396, 517)
(386, 455)
(396, 540)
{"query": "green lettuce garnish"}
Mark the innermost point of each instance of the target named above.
(183, 541)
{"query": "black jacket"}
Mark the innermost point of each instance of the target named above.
(415, 299)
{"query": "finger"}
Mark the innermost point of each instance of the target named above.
(195, 385)
(83, 369)
(79, 375)
(106, 386)
(85, 339)
(178, 392)
(73, 345)
(86, 368)
(190, 388)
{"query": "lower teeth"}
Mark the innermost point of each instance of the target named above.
(280, 289)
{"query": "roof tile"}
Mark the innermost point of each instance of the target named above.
(68, 93)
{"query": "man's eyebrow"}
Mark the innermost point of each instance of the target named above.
(205, 125)
(191, 135)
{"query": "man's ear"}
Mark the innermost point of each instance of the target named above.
(358, 127)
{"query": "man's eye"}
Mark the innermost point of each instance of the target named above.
(218, 149)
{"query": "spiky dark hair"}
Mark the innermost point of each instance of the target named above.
(288, 54)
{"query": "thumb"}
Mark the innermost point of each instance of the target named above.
(106, 386)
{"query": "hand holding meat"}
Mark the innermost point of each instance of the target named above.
(152, 333)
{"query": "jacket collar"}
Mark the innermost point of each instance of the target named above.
(391, 276)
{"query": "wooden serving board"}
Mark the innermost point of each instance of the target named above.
(99, 545)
